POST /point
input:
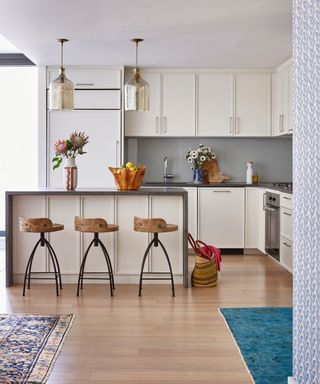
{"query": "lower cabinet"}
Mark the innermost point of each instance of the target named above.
(286, 257)
(255, 219)
(221, 216)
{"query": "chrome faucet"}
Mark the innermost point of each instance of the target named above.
(166, 175)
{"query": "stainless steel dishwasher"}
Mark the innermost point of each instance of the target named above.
(272, 238)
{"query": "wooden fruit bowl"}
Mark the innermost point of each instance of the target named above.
(126, 179)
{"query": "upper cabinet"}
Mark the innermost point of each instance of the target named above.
(282, 95)
(205, 104)
(172, 107)
(178, 104)
(215, 105)
(252, 105)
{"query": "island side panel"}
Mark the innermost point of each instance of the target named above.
(98, 207)
(185, 241)
(23, 242)
(9, 261)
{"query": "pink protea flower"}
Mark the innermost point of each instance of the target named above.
(79, 139)
(60, 147)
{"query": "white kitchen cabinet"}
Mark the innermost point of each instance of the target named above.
(193, 211)
(97, 99)
(89, 78)
(286, 200)
(286, 223)
(146, 123)
(170, 209)
(221, 216)
(103, 149)
(215, 105)
(286, 255)
(283, 100)
(255, 219)
(253, 105)
(178, 105)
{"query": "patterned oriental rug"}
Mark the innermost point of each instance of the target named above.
(29, 346)
(264, 338)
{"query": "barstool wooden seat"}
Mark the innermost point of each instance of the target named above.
(95, 226)
(41, 225)
(155, 226)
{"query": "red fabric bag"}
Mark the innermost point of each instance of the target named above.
(206, 251)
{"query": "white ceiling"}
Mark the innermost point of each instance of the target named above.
(177, 33)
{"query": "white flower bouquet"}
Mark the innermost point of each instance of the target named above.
(198, 156)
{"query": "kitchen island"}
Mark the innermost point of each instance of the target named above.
(126, 247)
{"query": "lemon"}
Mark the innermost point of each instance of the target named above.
(132, 169)
(129, 164)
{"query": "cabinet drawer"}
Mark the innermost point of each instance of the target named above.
(286, 200)
(286, 258)
(90, 78)
(97, 99)
(286, 223)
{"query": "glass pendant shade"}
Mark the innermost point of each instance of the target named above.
(61, 90)
(136, 90)
(136, 93)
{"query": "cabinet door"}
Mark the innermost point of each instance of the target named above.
(286, 257)
(146, 123)
(253, 105)
(290, 99)
(90, 78)
(130, 245)
(262, 222)
(286, 223)
(215, 105)
(103, 149)
(285, 99)
(221, 216)
(193, 211)
(252, 218)
(178, 105)
(169, 208)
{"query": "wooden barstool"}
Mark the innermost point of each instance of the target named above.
(42, 226)
(154, 226)
(95, 226)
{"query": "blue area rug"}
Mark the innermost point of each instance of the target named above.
(264, 336)
(29, 346)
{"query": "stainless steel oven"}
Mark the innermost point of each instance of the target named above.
(272, 208)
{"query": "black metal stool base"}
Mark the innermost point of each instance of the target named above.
(96, 242)
(155, 241)
(57, 275)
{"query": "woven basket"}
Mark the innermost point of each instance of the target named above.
(126, 179)
(205, 273)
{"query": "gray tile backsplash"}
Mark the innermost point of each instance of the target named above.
(272, 157)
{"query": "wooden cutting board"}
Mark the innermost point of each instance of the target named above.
(211, 172)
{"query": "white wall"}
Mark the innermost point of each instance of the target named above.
(18, 131)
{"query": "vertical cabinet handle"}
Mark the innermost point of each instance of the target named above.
(237, 125)
(117, 144)
(157, 124)
(230, 125)
(164, 124)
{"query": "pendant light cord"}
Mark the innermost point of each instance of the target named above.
(137, 54)
(61, 54)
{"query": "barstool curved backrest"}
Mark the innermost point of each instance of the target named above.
(92, 225)
(154, 225)
(36, 225)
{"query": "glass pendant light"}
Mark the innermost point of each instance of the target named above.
(136, 89)
(61, 89)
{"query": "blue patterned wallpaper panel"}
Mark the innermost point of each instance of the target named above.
(306, 177)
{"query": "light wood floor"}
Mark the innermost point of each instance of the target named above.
(156, 339)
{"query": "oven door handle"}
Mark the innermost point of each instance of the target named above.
(267, 208)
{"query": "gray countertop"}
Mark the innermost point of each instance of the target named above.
(181, 184)
(159, 190)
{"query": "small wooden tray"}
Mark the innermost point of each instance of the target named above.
(126, 179)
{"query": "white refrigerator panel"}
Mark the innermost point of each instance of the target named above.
(103, 149)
